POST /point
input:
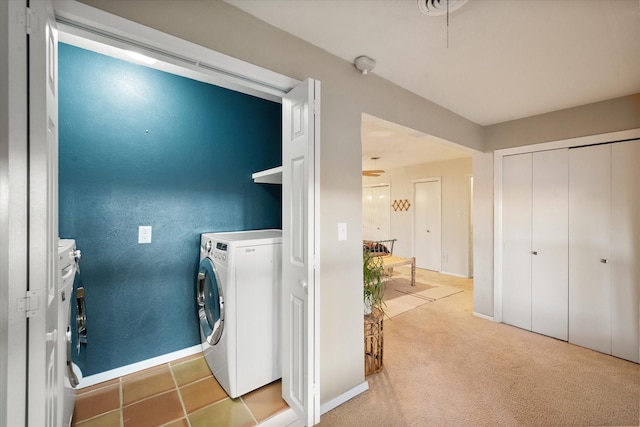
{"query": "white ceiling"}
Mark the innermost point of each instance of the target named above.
(399, 146)
(506, 59)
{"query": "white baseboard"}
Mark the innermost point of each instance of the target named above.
(138, 366)
(484, 316)
(339, 400)
(285, 418)
(455, 274)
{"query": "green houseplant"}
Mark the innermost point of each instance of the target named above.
(373, 283)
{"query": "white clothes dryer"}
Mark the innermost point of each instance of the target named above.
(238, 297)
(71, 319)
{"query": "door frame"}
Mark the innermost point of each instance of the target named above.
(497, 194)
(13, 215)
(79, 23)
(437, 179)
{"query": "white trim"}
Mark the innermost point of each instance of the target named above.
(497, 194)
(455, 274)
(284, 418)
(381, 184)
(344, 397)
(90, 28)
(483, 316)
(138, 366)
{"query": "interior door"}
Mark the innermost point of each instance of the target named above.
(427, 220)
(376, 213)
(43, 373)
(516, 232)
(625, 250)
(549, 244)
(589, 247)
(300, 288)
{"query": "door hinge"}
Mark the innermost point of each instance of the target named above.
(27, 18)
(29, 304)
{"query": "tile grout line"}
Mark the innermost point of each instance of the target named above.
(249, 410)
(184, 408)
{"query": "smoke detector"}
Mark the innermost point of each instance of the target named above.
(364, 64)
(440, 7)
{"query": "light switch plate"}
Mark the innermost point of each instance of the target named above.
(342, 231)
(144, 234)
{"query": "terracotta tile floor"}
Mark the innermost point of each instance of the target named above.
(176, 394)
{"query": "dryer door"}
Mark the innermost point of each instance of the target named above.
(210, 302)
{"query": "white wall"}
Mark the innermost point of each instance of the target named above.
(455, 200)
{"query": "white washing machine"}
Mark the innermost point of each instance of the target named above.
(71, 320)
(238, 297)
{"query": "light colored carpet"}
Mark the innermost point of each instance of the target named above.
(400, 296)
(445, 367)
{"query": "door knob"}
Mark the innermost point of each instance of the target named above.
(428, 231)
(534, 253)
(604, 261)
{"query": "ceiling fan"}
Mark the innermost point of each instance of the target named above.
(372, 172)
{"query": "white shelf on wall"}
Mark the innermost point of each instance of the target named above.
(269, 176)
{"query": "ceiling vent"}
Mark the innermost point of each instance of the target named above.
(439, 7)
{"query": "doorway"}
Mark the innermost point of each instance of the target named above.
(239, 77)
(405, 157)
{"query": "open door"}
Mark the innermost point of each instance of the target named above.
(41, 303)
(300, 287)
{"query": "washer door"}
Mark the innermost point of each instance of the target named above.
(210, 302)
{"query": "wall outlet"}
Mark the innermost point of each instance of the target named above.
(144, 234)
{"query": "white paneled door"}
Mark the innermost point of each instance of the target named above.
(300, 329)
(625, 250)
(535, 242)
(427, 224)
(376, 213)
(589, 247)
(43, 390)
(549, 243)
(516, 231)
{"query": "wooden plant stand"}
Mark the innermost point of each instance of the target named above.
(373, 342)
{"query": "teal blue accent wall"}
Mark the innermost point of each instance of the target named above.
(138, 146)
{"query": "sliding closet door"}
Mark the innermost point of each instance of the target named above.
(516, 232)
(589, 247)
(625, 250)
(549, 248)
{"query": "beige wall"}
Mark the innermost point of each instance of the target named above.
(592, 119)
(346, 94)
(483, 234)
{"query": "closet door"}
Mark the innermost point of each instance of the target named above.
(516, 233)
(625, 250)
(549, 244)
(589, 247)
